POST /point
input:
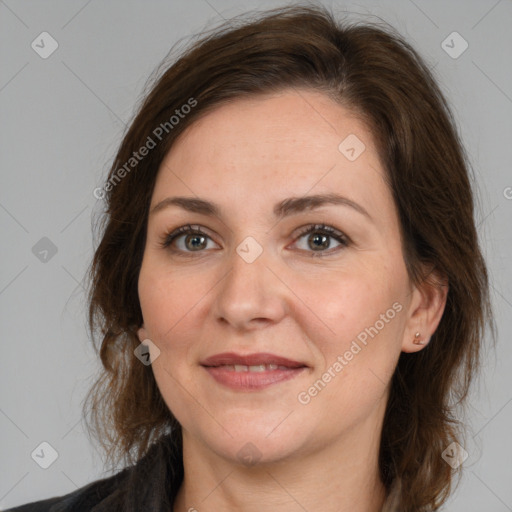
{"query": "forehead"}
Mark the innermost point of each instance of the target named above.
(271, 146)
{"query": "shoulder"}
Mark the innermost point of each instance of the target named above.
(82, 499)
(151, 484)
(36, 506)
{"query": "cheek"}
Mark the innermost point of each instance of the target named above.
(359, 359)
(349, 299)
(167, 298)
(174, 305)
(364, 312)
(169, 302)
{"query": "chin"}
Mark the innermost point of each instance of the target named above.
(251, 443)
(259, 451)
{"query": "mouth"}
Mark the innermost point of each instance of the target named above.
(251, 372)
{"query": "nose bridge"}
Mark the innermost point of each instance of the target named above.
(250, 290)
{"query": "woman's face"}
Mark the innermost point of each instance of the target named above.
(275, 270)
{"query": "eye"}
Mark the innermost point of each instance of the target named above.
(187, 239)
(319, 238)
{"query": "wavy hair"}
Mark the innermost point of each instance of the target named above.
(370, 69)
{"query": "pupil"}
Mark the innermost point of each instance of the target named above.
(323, 239)
(194, 241)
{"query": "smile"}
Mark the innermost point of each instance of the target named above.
(251, 372)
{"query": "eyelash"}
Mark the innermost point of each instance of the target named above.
(344, 240)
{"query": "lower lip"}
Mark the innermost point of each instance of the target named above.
(248, 381)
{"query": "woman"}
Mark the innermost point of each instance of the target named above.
(288, 290)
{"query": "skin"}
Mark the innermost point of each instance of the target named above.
(246, 157)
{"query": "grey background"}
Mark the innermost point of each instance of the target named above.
(61, 120)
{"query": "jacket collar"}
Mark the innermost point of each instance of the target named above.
(151, 484)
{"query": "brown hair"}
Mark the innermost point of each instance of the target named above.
(372, 70)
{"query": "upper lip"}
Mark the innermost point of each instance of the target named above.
(231, 358)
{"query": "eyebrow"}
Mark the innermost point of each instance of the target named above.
(282, 209)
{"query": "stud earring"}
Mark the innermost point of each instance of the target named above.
(417, 340)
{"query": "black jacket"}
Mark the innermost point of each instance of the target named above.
(150, 485)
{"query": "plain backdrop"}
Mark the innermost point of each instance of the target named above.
(62, 118)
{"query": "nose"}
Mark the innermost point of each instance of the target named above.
(250, 296)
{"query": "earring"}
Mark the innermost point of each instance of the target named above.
(417, 340)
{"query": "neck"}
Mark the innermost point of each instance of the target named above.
(339, 477)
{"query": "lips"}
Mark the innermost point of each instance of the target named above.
(253, 372)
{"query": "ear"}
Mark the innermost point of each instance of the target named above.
(142, 333)
(425, 311)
